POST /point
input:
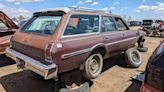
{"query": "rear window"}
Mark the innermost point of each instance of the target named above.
(42, 25)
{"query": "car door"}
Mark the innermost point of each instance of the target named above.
(129, 36)
(82, 32)
(111, 35)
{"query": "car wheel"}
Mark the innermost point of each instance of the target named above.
(93, 65)
(36, 76)
(142, 49)
(133, 57)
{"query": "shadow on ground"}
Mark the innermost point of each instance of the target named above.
(24, 82)
(134, 87)
(4, 61)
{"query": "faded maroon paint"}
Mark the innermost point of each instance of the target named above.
(35, 44)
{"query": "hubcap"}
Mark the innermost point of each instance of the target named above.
(135, 57)
(94, 64)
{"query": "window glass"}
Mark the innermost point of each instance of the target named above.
(108, 24)
(42, 25)
(120, 24)
(2, 25)
(82, 24)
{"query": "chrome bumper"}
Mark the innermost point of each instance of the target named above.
(25, 62)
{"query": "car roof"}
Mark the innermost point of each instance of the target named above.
(76, 9)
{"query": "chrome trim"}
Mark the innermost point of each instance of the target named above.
(68, 55)
(47, 71)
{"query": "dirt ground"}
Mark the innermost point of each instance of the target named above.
(114, 78)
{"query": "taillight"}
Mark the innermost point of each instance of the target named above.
(147, 88)
(49, 51)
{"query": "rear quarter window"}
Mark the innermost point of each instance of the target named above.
(121, 24)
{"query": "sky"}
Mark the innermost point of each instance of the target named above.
(128, 9)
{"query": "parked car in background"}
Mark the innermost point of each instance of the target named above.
(135, 23)
(56, 41)
(21, 22)
(154, 73)
(146, 24)
(161, 23)
(7, 29)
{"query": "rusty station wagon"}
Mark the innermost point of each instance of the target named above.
(58, 40)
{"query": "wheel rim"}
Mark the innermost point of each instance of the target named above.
(94, 64)
(135, 57)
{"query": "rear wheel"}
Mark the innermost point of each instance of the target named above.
(133, 57)
(93, 65)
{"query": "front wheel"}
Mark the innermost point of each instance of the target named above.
(93, 65)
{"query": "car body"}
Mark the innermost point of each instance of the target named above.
(7, 29)
(21, 22)
(76, 33)
(146, 23)
(135, 23)
(154, 75)
(161, 26)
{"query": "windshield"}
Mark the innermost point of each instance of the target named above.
(42, 25)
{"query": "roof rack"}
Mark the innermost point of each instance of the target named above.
(86, 9)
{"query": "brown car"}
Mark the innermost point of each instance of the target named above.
(7, 29)
(58, 40)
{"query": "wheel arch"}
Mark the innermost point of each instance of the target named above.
(99, 47)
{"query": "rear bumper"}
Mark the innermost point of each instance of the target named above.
(25, 62)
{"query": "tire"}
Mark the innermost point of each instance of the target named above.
(36, 76)
(133, 57)
(93, 66)
(142, 49)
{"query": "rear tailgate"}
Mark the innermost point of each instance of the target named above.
(31, 45)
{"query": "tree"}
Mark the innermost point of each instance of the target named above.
(21, 17)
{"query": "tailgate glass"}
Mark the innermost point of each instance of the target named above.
(45, 25)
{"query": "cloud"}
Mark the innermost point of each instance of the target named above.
(157, 8)
(86, 2)
(15, 12)
(91, 2)
(116, 3)
(94, 3)
(22, 1)
(109, 9)
(143, 1)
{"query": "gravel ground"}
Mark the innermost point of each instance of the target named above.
(114, 78)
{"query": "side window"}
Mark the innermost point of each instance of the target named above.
(82, 24)
(108, 24)
(120, 24)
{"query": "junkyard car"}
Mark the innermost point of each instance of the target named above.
(58, 40)
(7, 29)
(154, 72)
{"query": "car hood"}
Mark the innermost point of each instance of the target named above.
(7, 21)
